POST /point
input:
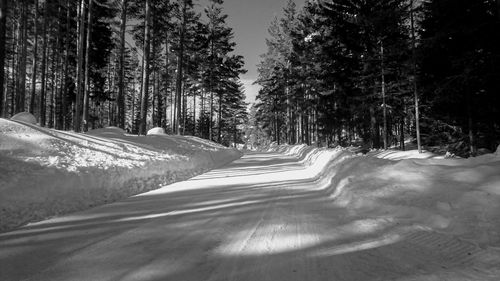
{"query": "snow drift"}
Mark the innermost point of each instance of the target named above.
(460, 197)
(46, 172)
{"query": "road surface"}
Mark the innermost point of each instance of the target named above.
(263, 217)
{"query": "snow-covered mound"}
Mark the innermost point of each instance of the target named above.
(156, 131)
(400, 155)
(460, 197)
(24, 117)
(47, 172)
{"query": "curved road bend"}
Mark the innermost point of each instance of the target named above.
(260, 218)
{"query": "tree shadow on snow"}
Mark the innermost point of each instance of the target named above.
(209, 229)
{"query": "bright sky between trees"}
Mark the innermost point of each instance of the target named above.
(250, 21)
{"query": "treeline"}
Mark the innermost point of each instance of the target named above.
(378, 72)
(74, 65)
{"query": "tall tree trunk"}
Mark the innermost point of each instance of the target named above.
(234, 131)
(9, 103)
(112, 105)
(201, 127)
(120, 99)
(470, 123)
(64, 88)
(159, 99)
(172, 111)
(210, 120)
(153, 90)
(3, 32)
(52, 89)
(219, 121)
(288, 114)
(60, 74)
(278, 137)
(184, 108)
(138, 113)
(307, 128)
(77, 120)
(402, 133)
(35, 61)
(315, 123)
(374, 129)
(414, 64)
(384, 107)
(86, 90)
(154, 55)
(58, 100)
(194, 113)
(166, 80)
(180, 65)
(21, 88)
(145, 78)
(42, 97)
(298, 119)
(211, 82)
(17, 54)
(133, 124)
(156, 78)
(288, 107)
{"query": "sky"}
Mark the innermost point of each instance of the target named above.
(250, 20)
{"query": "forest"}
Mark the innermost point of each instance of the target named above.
(336, 72)
(377, 73)
(85, 64)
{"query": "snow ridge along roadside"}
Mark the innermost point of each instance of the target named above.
(44, 172)
(456, 197)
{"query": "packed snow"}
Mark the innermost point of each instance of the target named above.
(46, 172)
(452, 195)
(284, 213)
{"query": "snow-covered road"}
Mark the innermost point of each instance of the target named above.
(263, 217)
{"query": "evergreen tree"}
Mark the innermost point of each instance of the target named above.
(460, 67)
(346, 56)
(219, 44)
(120, 99)
(3, 31)
(146, 69)
(81, 72)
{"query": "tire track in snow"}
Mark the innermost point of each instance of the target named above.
(419, 255)
(227, 270)
(456, 258)
(282, 229)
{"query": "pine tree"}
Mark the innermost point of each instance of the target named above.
(86, 87)
(459, 66)
(3, 31)
(145, 79)
(219, 46)
(121, 94)
(42, 96)
(35, 60)
(77, 120)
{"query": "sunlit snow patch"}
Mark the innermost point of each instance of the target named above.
(269, 239)
(188, 211)
(359, 246)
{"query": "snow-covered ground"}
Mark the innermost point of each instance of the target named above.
(288, 213)
(452, 195)
(46, 172)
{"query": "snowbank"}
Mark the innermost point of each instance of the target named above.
(25, 117)
(47, 172)
(156, 131)
(400, 155)
(460, 197)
